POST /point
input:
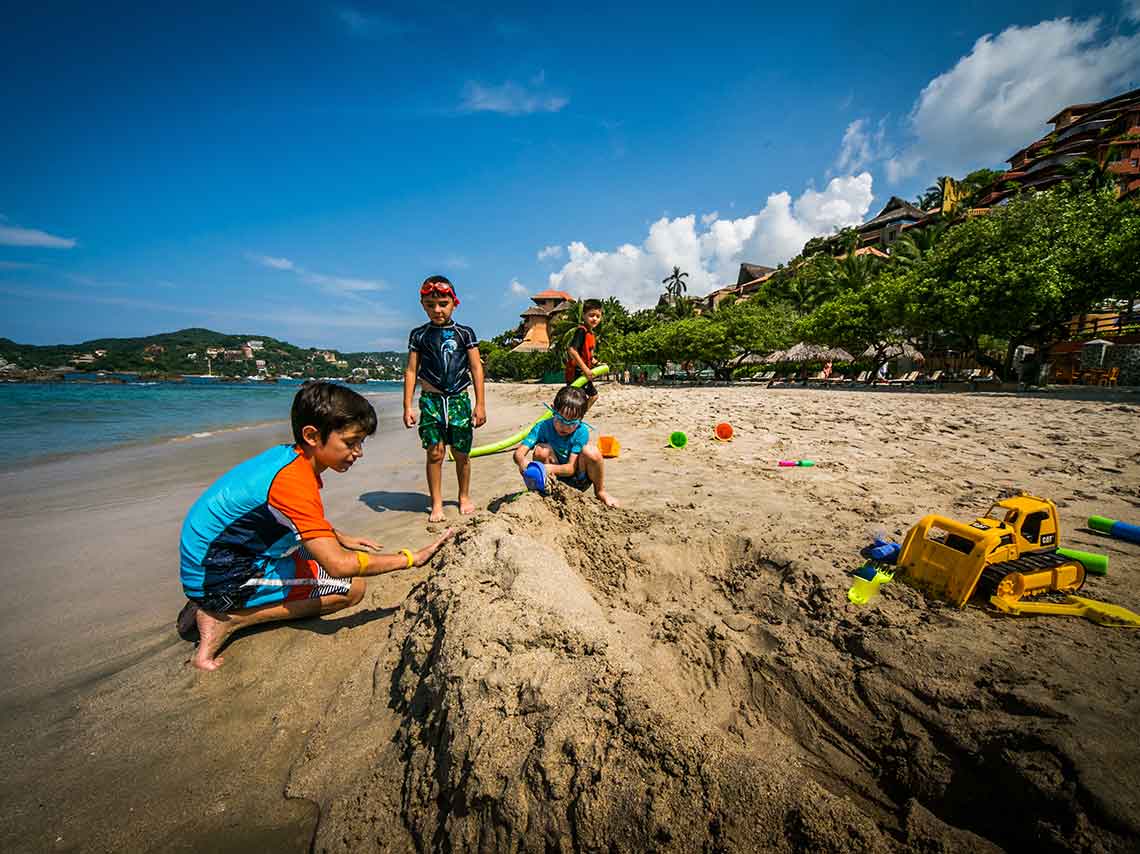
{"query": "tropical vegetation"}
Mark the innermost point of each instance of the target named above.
(977, 284)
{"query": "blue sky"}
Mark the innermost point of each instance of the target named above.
(296, 169)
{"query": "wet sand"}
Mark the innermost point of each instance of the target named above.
(724, 574)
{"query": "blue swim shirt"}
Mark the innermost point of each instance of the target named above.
(543, 433)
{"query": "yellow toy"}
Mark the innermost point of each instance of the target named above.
(1008, 553)
(1076, 606)
(864, 590)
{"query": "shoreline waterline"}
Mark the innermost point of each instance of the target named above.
(48, 422)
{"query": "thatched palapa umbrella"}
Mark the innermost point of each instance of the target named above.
(895, 350)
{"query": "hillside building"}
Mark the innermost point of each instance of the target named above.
(1107, 132)
(538, 320)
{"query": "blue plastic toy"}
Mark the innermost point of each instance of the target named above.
(882, 551)
(535, 477)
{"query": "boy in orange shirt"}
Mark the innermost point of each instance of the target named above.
(580, 359)
(256, 546)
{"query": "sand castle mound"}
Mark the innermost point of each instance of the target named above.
(572, 679)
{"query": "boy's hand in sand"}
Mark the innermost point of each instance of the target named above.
(409, 418)
(427, 552)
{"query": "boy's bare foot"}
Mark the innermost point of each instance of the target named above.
(187, 622)
(607, 499)
(213, 633)
(466, 505)
(436, 515)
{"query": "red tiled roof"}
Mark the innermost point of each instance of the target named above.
(552, 294)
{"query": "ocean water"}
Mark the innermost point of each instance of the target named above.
(39, 420)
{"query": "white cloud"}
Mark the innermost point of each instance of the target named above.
(18, 265)
(343, 285)
(996, 99)
(710, 217)
(860, 146)
(456, 262)
(518, 289)
(370, 25)
(511, 98)
(14, 235)
(274, 263)
(551, 251)
(770, 236)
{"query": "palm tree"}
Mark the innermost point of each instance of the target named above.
(675, 284)
(916, 244)
(853, 272)
(935, 193)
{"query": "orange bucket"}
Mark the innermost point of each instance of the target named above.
(609, 446)
(723, 431)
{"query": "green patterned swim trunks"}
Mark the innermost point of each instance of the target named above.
(446, 420)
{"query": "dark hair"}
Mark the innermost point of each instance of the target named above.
(570, 402)
(591, 304)
(437, 280)
(328, 407)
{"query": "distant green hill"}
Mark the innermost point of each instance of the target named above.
(200, 351)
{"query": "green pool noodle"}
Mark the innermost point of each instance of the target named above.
(509, 442)
(1115, 528)
(1101, 523)
(1094, 563)
(805, 463)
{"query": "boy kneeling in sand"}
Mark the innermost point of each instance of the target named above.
(561, 442)
(256, 546)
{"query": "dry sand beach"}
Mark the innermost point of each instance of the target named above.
(682, 674)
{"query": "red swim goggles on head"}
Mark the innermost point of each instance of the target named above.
(441, 288)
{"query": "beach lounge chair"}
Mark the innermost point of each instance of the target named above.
(1111, 378)
(906, 379)
(766, 376)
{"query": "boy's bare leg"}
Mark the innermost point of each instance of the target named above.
(590, 402)
(463, 475)
(591, 460)
(435, 481)
(214, 628)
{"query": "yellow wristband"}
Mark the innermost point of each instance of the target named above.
(408, 554)
(362, 562)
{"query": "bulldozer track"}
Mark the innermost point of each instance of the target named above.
(992, 575)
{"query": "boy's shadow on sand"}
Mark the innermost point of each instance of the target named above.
(412, 502)
(316, 625)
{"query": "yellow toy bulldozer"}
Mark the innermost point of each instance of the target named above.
(1008, 553)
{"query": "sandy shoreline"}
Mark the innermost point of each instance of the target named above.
(97, 689)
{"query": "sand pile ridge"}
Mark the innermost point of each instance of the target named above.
(572, 679)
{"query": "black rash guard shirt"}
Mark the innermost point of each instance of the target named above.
(443, 355)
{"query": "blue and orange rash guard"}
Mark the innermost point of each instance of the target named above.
(248, 520)
(543, 433)
(443, 355)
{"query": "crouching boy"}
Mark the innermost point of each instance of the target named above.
(256, 546)
(561, 443)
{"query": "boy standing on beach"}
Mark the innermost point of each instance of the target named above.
(256, 546)
(580, 357)
(561, 442)
(444, 357)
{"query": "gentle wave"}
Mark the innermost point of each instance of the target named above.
(40, 420)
